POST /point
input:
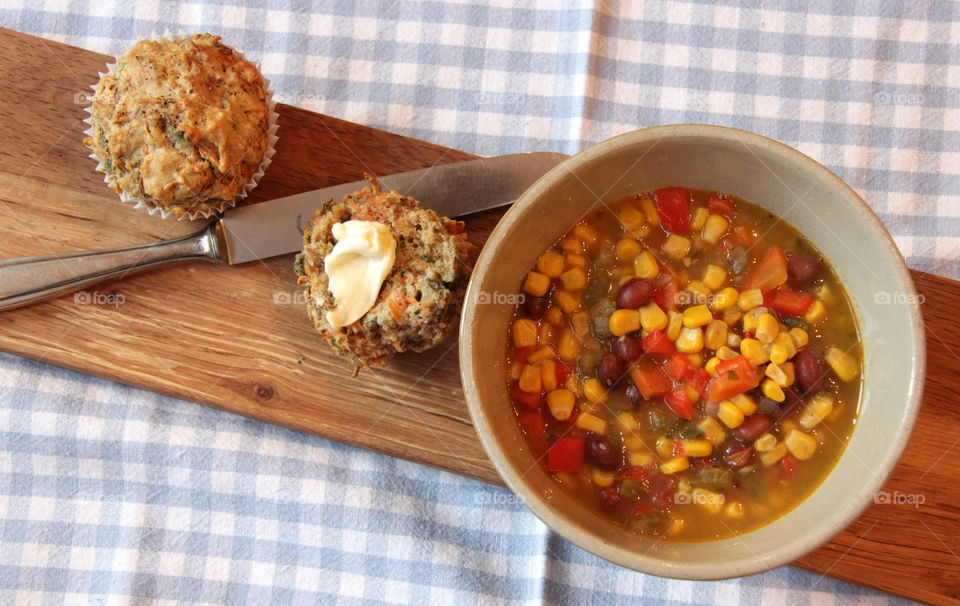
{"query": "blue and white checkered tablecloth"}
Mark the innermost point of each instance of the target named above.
(110, 494)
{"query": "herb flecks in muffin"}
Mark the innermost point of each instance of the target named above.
(420, 300)
(181, 125)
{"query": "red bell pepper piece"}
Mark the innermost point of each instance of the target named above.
(788, 302)
(530, 401)
(677, 366)
(566, 454)
(533, 426)
(769, 272)
(679, 402)
(788, 466)
(562, 372)
(734, 376)
(649, 379)
(522, 353)
(657, 344)
(720, 206)
(673, 206)
(697, 378)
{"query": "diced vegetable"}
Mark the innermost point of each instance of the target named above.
(673, 207)
(769, 272)
(566, 454)
(679, 402)
(734, 377)
(649, 379)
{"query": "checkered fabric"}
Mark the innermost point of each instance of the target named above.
(110, 494)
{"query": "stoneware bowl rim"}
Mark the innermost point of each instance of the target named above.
(797, 546)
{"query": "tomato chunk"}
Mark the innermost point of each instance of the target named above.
(566, 454)
(720, 206)
(562, 372)
(534, 428)
(649, 379)
(769, 272)
(657, 344)
(734, 376)
(679, 402)
(785, 301)
(673, 206)
(530, 401)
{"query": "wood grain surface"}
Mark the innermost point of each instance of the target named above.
(236, 338)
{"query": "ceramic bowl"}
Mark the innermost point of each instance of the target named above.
(791, 185)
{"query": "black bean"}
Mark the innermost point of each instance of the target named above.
(633, 394)
(609, 369)
(635, 293)
(736, 454)
(535, 306)
(809, 371)
(601, 452)
(627, 348)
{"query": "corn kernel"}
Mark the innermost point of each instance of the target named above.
(628, 422)
(530, 379)
(548, 375)
(652, 317)
(627, 249)
(699, 218)
(745, 403)
(636, 444)
(789, 372)
(785, 341)
(778, 354)
(709, 500)
(640, 459)
(650, 209)
(603, 479)
(771, 457)
(699, 291)
(645, 265)
(725, 298)
(567, 301)
(750, 298)
(572, 261)
(696, 359)
(550, 264)
(571, 245)
(536, 284)
(732, 315)
(800, 444)
(696, 448)
(513, 373)
(545, 334)
(843, 364)
(690, 340)
(799, 336)
(735, 510)
(676, 526)
(825, 294)
(765, 443)
(767, 328)
(772, 390)
(754, 351)
(574, 279)
(697, 316)
(585, 233)
(664, 447)
(775, 373)
(594, 391)
(711, 366)
(714, 276)
(561, 402)
(624, 321)
(569, 346)
(555, 316)
(524, 332)
(731, 416)
(752, 319)
(675, 465)
(676, 246)
(573, 385)
(817, 409)
(725, 353)
(712, 430)
(715, 335)
(714, 228)
(674, 324)
(631, 217)
(591, 422)
(815, 313)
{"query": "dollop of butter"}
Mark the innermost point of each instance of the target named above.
(356, 268)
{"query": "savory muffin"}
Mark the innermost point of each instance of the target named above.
(180, 125)
(419, 300)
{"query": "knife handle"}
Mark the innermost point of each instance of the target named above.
(26, 280)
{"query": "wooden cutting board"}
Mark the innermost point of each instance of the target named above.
(232, 337)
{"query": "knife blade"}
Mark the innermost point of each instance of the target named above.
(268, 229)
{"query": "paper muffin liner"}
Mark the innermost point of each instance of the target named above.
(192, 213)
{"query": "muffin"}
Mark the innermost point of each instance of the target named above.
(182, 126)
(419, 301)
